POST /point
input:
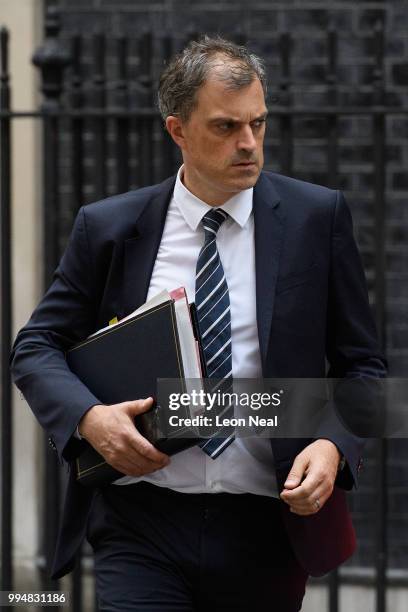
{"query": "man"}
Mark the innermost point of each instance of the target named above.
(277, 258)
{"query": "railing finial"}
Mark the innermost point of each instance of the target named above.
(51, 58)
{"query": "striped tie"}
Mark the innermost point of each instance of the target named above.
(214, 319)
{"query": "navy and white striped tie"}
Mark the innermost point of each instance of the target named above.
(214, 318)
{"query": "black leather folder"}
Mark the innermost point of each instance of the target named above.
(123, 363)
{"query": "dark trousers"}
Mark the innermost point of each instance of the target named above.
(157, 550)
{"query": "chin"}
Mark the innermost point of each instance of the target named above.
(247, 182)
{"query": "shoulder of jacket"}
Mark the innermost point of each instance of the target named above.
(118, 202)
(115, 217)
(291, 189)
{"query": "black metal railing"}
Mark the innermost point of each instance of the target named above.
(6, 321)
(109, 135)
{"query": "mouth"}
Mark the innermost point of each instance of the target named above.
(245, 164)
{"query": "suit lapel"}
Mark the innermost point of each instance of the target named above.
(140, 251)
(269, 231)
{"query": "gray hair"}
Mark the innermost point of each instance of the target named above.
(190, 69)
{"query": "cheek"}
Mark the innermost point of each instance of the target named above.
(203, 148)
(260, 149)
(214, 154)
(211, 152)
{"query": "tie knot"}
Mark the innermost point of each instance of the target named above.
(212, 221)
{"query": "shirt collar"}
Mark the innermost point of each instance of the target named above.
(239, 207)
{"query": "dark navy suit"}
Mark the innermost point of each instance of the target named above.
(312, 305)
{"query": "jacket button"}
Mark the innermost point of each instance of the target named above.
(52, 444)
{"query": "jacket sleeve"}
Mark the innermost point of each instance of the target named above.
(65, 316)
(352, 348)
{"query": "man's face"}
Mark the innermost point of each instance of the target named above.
(222, 141)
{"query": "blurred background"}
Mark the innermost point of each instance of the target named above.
(79, 121)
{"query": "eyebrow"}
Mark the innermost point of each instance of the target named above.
(231, 120)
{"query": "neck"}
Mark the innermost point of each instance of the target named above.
(209, 196)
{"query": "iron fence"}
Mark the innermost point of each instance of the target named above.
(98, 118)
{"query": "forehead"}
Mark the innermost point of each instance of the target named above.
(215, 98)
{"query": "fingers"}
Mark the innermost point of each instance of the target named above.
(302, 500)
(125, 448)
(135, 467)
(306, 489)
(318, 462)
(139, 443)
(147, 451)
(136, 407)
(312, 505)
(128, 457)
(297, 472)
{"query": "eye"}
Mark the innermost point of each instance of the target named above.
(226, 125)
(258, 123)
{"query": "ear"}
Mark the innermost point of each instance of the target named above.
(174, 127)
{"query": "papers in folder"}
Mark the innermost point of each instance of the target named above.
(123, 362)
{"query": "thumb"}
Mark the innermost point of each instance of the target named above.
(296, 473)
(139, 406)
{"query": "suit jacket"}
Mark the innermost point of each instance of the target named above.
(312, 306)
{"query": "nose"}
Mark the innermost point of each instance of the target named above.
(246, 140)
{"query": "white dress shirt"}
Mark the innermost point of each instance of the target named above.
(246, 465)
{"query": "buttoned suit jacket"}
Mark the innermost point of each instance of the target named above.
(313, 320)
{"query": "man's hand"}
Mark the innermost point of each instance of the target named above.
(317, 464)
(112, 432)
